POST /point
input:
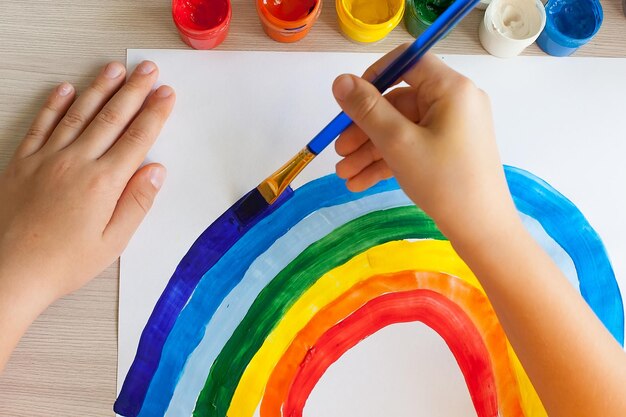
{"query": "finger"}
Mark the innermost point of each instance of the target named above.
(402, 98)
(430, 75)
(405, 100)
(115, 116)
(432, 79)
(382, 123)
(86, 106)
(370, 176)
(46, 120)
(134, 203)
(131, 148)
(357, 161)
(350, 140)
(379, 66)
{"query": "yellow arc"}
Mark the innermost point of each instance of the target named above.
(391, 257)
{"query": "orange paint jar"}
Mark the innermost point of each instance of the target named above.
(288, 20)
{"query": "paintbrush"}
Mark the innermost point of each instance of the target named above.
(273, 186)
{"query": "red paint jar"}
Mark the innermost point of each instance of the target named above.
(202, 24)
(288, 20)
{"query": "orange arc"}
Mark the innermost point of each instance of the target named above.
(471, 300)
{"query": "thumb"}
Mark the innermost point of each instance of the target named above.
(373, 113)
(135, 202)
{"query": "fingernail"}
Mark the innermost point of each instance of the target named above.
(157, 176)
(343, 85)
(65, 89)
(164, 91)
(113, 70)
(146, 67)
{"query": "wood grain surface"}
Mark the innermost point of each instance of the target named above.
(66, 364)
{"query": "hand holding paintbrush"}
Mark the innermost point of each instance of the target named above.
(268, 191)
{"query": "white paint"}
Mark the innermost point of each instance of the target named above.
(509, 26)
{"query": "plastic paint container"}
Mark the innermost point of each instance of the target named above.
(288, 20)
(569, 25)
(368, 20)
(483, 4)
(509, 26)
(202, 24)
(420, 14)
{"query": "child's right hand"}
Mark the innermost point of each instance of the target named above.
(435, 136)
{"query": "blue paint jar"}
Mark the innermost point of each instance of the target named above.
(569, 25)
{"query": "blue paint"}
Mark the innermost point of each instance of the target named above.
(569, 25)
(203, 254)
(533, 197)
(569, 228)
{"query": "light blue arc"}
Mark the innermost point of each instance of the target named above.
(234, 308)
(190, 327)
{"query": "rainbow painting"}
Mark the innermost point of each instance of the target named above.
(255, 314)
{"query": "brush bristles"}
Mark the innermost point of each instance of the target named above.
(268, 190)
(276, 183)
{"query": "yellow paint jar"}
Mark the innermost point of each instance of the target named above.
(368, 20)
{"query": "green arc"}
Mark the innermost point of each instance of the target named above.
(287, 287)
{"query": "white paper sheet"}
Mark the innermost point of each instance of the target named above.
(239, 115)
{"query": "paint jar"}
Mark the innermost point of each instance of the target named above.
(288, 20)
(509, 26)
(368, 20)
(202, 24)
(420, 14)
(483, 4)
(569, 25)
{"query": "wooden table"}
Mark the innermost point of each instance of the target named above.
(66, 364)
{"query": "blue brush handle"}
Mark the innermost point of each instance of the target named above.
(440, 27)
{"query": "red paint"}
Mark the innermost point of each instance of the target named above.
(288, 20)
(202, 24)
(290, 10)
(429, 307)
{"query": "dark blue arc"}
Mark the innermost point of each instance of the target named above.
(220, 236)
(208, 249)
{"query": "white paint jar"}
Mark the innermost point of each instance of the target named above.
(509, 26)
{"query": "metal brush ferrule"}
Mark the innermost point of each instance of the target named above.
(276, 183)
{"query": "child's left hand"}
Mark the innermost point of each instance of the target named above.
(72, 195)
